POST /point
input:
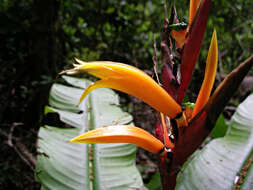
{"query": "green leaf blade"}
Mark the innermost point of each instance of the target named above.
(65, 165)
(58, 168)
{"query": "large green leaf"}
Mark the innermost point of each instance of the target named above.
(219, 163)
(64, 165)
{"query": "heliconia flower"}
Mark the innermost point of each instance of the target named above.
(130, 80)
(133, 81)
(123, 134)
(210, 71)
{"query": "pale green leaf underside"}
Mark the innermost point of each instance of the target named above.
(219, 163)
(65, 165)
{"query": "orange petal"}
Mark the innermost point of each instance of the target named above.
(122, 134)
(210, 71)
(130, 80)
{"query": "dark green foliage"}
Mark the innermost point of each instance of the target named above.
(113, 30)
(234, 24)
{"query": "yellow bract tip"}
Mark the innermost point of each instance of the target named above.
(194, 4)
(210, 71)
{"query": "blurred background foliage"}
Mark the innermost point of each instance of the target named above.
(39, 38)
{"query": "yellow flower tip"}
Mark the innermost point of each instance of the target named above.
(209, 78)
(79, 61)
(69, 72)
(73, 71)
(130, 80)
(122, 134)
(74, 140)
(194, 4)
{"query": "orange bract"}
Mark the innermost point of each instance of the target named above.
(122, 134)
(130, 80)
(210, 71)
(194, 4)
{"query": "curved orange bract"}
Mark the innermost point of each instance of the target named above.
(122, 134)
(130, 80)
(210, 71)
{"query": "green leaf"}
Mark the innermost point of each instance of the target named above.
(219, 163)
(155, 182)
(220, 128)
(64, 165)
